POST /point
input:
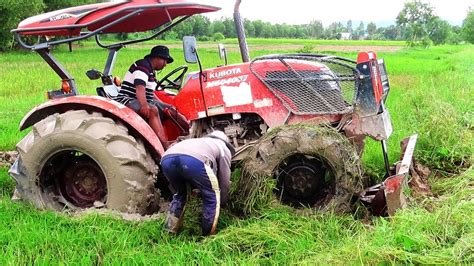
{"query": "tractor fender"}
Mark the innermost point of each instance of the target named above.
(109, 108)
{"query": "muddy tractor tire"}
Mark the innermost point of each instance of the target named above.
(78, 160)
(313, 166)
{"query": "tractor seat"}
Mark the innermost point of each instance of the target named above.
(108, 91)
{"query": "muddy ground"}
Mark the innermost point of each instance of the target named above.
(7, 158)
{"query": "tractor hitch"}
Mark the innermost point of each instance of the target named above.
(385, 198)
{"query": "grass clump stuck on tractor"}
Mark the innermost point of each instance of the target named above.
(288, 153)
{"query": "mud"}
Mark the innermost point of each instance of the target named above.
(128, 168)
(100, 209)
(7, 158)
(419, 179)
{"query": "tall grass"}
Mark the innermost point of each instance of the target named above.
(431, 231)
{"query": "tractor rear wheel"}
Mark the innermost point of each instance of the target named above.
(78, 160)
(313, 166)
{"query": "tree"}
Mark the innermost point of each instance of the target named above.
(359, 32)
(301, 32)
(258, 25)
(183, 29)
(51, 5)
(349, 26)
(468, 27)
(315, 29)
(268, 30)
(455, 35)
(334, 30)
(11, 13)
(439, 31)
(200, 24)
(392, 32)
(415, 19)
(217, 26)
(230, 31)
(371, 28)
(249, 28)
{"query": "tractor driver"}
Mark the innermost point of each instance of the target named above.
(137, 91)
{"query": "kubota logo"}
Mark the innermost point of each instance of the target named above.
(231, 80)
(60, 17)
(224, 73)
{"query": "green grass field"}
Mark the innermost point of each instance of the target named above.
(431, 94)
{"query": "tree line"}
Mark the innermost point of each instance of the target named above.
(416, 23)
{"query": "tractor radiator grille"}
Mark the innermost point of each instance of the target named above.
(309, 84)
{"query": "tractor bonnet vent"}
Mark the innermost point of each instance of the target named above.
(309, 84)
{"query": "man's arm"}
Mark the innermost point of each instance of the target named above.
(141, 97)
(224, 175)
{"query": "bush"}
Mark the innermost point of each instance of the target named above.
(12, 12)
(307, 49)
(204, 38)
(171, 35)
(454, 38)
(218, 37)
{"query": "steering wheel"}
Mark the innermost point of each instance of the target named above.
(168, 83)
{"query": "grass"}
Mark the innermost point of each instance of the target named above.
(441, 234)
(431, 94)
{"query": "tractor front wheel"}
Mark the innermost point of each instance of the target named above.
(312, 166)
(78, 160)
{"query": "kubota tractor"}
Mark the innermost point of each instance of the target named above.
(85, 151)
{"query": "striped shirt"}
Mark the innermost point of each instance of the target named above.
(140, 73)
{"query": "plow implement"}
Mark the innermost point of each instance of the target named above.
(385, 198)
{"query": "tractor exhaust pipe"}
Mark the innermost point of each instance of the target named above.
(239, 26)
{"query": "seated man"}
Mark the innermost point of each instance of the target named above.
(138, 86)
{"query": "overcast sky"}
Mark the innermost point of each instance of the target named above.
(382, 12)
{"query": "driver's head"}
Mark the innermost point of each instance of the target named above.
(159, 57)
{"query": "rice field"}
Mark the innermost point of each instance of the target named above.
(431, 94)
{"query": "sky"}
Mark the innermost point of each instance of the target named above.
(382, 12)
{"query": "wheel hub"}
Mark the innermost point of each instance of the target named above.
(301, 180)
(83, 183)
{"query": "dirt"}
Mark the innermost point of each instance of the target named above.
(135, 217)
(419, 179)
(7, 158)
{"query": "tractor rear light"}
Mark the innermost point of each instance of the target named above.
(373, 87)
(370, 58)
(117, 81)
(376, 83)
(65, 86)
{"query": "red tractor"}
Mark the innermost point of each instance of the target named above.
(86, 151)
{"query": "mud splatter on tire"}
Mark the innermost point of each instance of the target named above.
(256, 186)
(71, 160)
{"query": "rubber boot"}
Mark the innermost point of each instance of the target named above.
(174, 223)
